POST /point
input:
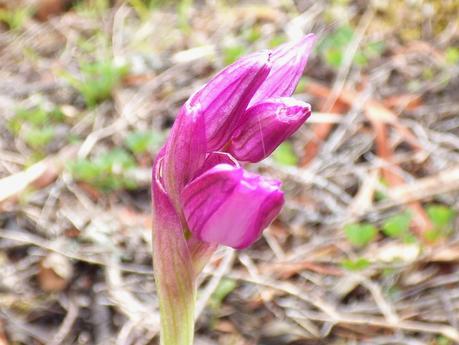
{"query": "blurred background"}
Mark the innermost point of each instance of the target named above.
(366, 249)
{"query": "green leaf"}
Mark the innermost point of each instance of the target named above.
(276, 41)
(360, 235)
(224, 288)
(15, 18)
(141, 8)
(333, 47)
(360, 59)
(398, 225)
(39, 131)
(374, 49)
(115, 160)
(440, 215)
(233, 53)
(85, 170)
(285, 154)
(452, 55)
(252, 34)
(442, 340)
(355, 265)
(96, 80)
(300, 87)
(107, 172)
(36, 116)
(184, 12)
(433, 235)
(142, 142)
(334, 57)
(39, 137)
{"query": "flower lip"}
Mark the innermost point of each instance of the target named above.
(229, 206)
(254, 181)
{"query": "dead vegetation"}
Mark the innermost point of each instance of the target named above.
(366, 250)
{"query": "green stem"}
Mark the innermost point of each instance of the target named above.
(176, 287)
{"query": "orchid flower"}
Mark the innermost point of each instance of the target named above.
(202, 196)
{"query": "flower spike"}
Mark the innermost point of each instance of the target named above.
(201, 195)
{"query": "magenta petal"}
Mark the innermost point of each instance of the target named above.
(215, 158)
(185, 151)
(288, 62)
(265, 126)
(225, 97)
(229, 206)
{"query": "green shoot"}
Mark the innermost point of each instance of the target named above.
(96, 80)
(360, 235)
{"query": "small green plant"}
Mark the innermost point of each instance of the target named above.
(92, 8)
(360, 234)
(15, 18)
(184, 10)
(442, 218)
(36, 116)
(301, 85)
(39, 137)
(142, 8)
(232, 53)
(398, 226)
(224, 288)
(441, 340)
(36, 125)
(285, 155)
(252, 34)
(108, 172)
(96, 80)
(333, 47)
(355, 265)
(143, 142)
(452, 55)
(247, 37)
(380, 193)
(276, 41)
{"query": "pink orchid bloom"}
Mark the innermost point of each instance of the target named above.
(202, 197)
